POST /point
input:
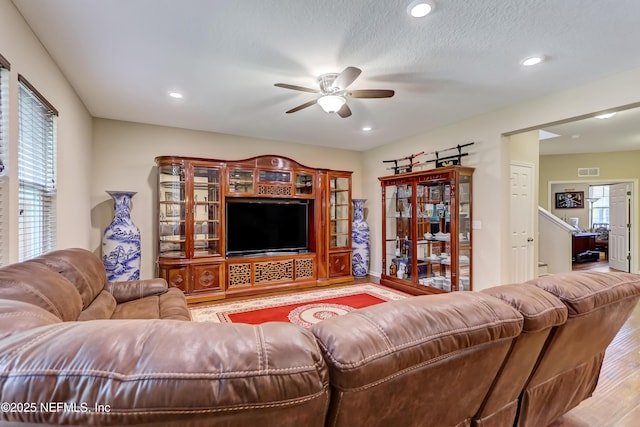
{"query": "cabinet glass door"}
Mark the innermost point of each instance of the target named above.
(464, 235)
(339, 212)
(240, 181)
(171, 197)
(304, 184)
(433, 222)
(398, 230)
(206, 211)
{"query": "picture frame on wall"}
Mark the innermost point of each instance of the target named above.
(570, 200)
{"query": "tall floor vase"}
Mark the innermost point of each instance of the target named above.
(360, 239)
(121, 241)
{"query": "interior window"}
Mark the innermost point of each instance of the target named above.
(599, 213)
(4, 92)
(36, 173)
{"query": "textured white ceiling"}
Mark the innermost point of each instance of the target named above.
(124, 56)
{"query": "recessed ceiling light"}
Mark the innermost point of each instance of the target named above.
(366, 128)
(605, 116)
(175, 95)
(532, 60)
(420, 8)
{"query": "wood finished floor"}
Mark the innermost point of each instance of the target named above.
(601, 265)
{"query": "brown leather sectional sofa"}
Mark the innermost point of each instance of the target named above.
(76, 350)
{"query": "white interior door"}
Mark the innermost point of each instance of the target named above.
(620, 226)
(521, 222)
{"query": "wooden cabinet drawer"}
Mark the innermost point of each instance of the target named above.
(176, 276)
(340, 264)
(208, 278)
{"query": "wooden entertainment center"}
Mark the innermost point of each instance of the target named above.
(297, 234)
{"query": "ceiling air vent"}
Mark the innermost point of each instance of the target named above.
(588, 171)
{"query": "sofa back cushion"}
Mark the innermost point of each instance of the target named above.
(567, 372)
(101, 308)
(18, 316)
(81, 267)
(541, 312)
(36, 284)
(426, 360)
(168, 373)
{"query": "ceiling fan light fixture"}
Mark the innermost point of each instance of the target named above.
(331, 103)
(420, 8)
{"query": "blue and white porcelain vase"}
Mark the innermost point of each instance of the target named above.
(121, 241)
(360, 239)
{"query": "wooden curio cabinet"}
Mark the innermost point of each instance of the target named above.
(246, 227)
(426, 224)
(337, 219)
(190, 218)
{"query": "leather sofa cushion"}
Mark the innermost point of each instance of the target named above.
(163, 372)
(384, 337)
(399, 362)
(169, 305)
(145, 308)
(101, 308)
(589, 290)
(81, 267)
(37, 284)
(18, 316)
(173, 305)
(136, 289)
(540, 309)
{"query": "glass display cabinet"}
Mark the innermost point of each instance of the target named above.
(427, 230)
(190, 225)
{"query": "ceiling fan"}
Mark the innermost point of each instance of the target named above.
(334, 93)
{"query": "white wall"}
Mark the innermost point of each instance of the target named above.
(123, 159)
(491, 160)
(28, 57)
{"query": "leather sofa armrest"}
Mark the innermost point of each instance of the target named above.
(136, 289)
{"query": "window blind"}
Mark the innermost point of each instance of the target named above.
(36, 173)
(4, 226)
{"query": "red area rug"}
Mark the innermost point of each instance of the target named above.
(302, 308)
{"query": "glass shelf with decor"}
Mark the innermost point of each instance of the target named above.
(206, 211)
(241, 181)
(339, 210)
(172, 236)
(304, 183)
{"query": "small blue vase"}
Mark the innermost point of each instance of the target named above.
(121, 241)
(360, 240)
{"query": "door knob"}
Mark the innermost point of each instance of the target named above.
(530, 239)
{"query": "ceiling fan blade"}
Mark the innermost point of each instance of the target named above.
(372, 93)
(344, 111)
(294, 87)
(300, 107)
(346, 77)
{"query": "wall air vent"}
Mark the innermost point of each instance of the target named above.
(588, 171)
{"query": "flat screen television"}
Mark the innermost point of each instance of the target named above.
(255, 226)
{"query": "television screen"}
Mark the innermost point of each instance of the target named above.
(266, 225)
